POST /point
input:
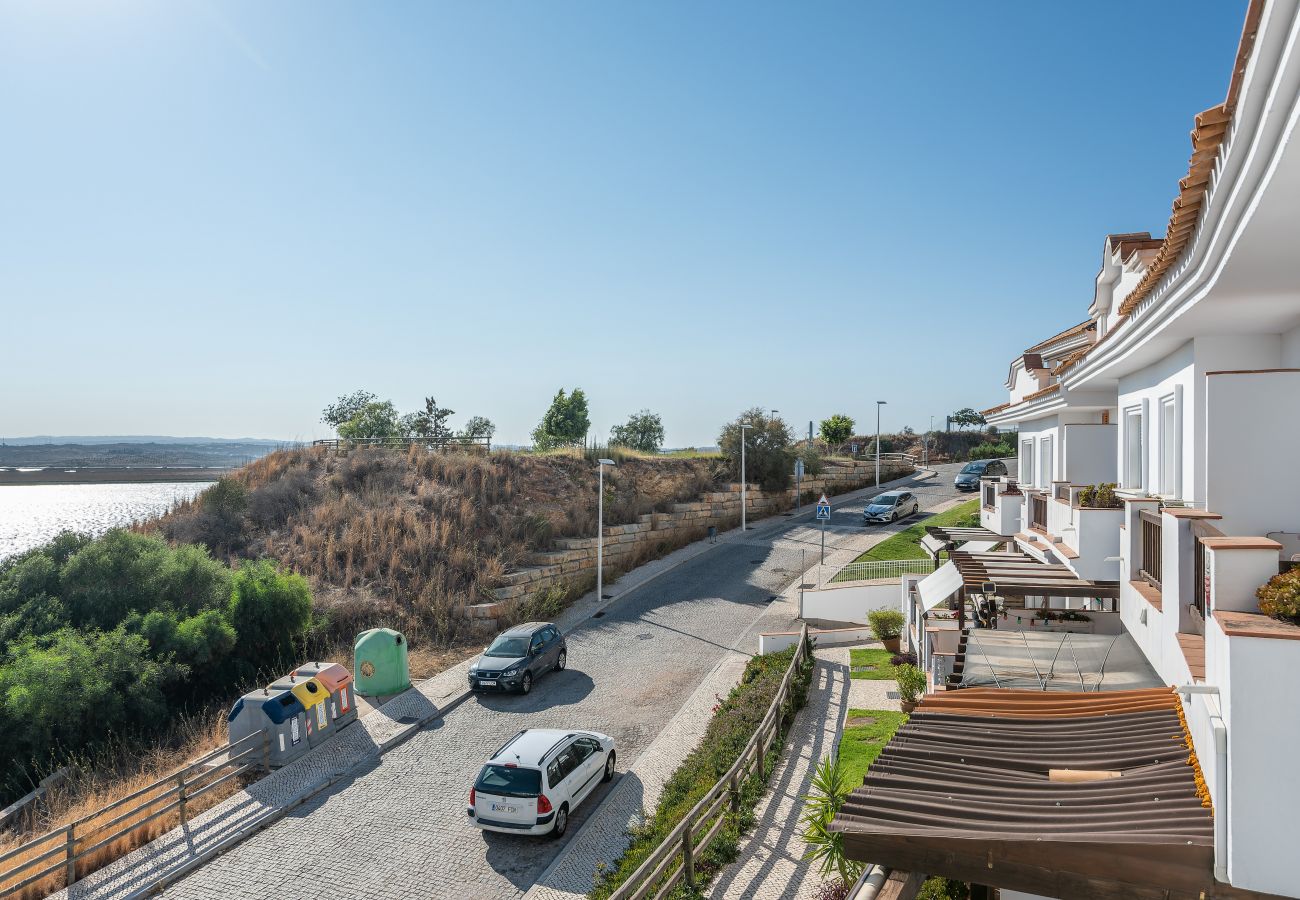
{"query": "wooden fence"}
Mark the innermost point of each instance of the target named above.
(673, 862)
(96, 832)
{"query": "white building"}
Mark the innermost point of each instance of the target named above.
(1182, 387)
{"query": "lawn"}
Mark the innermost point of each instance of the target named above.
(907, 544)
(865, 735)
(883, 669)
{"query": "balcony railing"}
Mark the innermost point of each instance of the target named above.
(1038, 511)
(1149, 569)
(990, 493)
(1200, 599)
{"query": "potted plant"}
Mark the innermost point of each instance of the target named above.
(887, 626)
(1280, 597)
(911, 685)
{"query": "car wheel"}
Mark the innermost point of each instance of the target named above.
(562, 660)
(526, 683)
(609, 767)
(561, 821)
(916, 508)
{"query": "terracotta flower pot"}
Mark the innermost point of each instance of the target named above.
(891, 644)
(907, 705)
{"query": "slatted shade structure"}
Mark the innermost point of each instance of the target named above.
(939, 538)
(1059, 794)
(1020, 575)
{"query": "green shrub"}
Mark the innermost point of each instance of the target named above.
(1100, 497)
(271, 611)
(735, 719)
(1001, 450)
(886, 624)
(911, 682)
(1280, 597)
(831, 786)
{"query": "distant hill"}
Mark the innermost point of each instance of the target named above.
(85, 439)
(101, 452)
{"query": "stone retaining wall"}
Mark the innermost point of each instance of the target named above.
(656, 534)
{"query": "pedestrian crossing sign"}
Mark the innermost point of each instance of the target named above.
(823, 508)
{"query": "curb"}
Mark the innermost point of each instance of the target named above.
(401, 737)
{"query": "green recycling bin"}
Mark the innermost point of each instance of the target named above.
(381, 663)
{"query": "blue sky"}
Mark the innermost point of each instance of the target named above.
(220, 216)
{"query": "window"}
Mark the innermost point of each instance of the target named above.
(1045, 462)
(1133, 448)
(1170, 446)
(509, 781)
(1027, 462)
(584, 748)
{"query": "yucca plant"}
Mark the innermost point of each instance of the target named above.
(830, 788)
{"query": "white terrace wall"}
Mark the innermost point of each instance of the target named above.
(655, 534)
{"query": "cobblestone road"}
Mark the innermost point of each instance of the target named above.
(399, 830)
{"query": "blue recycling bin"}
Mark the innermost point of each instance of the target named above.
(276, 711)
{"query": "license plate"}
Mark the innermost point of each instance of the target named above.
(504, 807)
(488, 683)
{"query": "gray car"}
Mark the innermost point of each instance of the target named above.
(518, 657)
(890, 506)
(968, 479)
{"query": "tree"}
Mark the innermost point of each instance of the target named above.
(566, 422)
(837, 429)
(643, 431)
(429, 423)
(966, 417)
(377, 419)
(769, 451)
(346, 408)
(271, 611)
(479, 428)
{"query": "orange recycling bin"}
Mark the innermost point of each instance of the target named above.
(338, 682)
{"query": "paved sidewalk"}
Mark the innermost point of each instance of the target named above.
(771, 864)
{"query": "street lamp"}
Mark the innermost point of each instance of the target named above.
(743, 426)
(600, 531)
(879, 403)
(925, 455)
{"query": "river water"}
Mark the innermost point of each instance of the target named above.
(30, 515)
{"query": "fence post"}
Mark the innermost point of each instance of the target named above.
(180, 782)
(266, 751)
(72, 858)
(735, 794)
(688, 857)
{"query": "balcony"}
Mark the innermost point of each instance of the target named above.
(1038, 512)
(1149, 565)
(1000, 505)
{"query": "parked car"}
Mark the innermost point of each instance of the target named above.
(518, 657)
(537, 779)
(890, 506)
(968, 479)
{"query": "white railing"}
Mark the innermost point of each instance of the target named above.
(872, 570)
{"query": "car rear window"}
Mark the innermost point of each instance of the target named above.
(509, 781)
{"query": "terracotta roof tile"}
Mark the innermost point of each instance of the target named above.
(1067, 333)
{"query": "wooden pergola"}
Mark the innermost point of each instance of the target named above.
(1021, 575)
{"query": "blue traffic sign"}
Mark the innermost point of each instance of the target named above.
(823, 508)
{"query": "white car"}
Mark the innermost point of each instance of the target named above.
(538, 777)
(891, 506)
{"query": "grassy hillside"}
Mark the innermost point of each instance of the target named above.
(407, 539)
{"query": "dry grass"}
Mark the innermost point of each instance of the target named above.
(409, 539)
(93, 787)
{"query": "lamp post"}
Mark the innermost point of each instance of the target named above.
(743, 426)
(879, 403)
(925, 461)
(600, 531)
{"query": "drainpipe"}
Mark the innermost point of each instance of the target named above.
(869, 883)
(1220, 798)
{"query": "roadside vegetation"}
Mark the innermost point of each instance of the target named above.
(907, 543)
(735, 720)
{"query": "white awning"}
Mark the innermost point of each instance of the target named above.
(932, 545)
(938, 586)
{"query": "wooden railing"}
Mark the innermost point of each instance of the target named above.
(471, 444)
(94, 834)
(1038, 511)
(1152, 548)
(673, 862)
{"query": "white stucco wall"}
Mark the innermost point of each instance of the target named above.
(1036, 430)
(849, 604)
(1291, 349)
(1088, 453)
(1172, 376)
(1252, 432)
